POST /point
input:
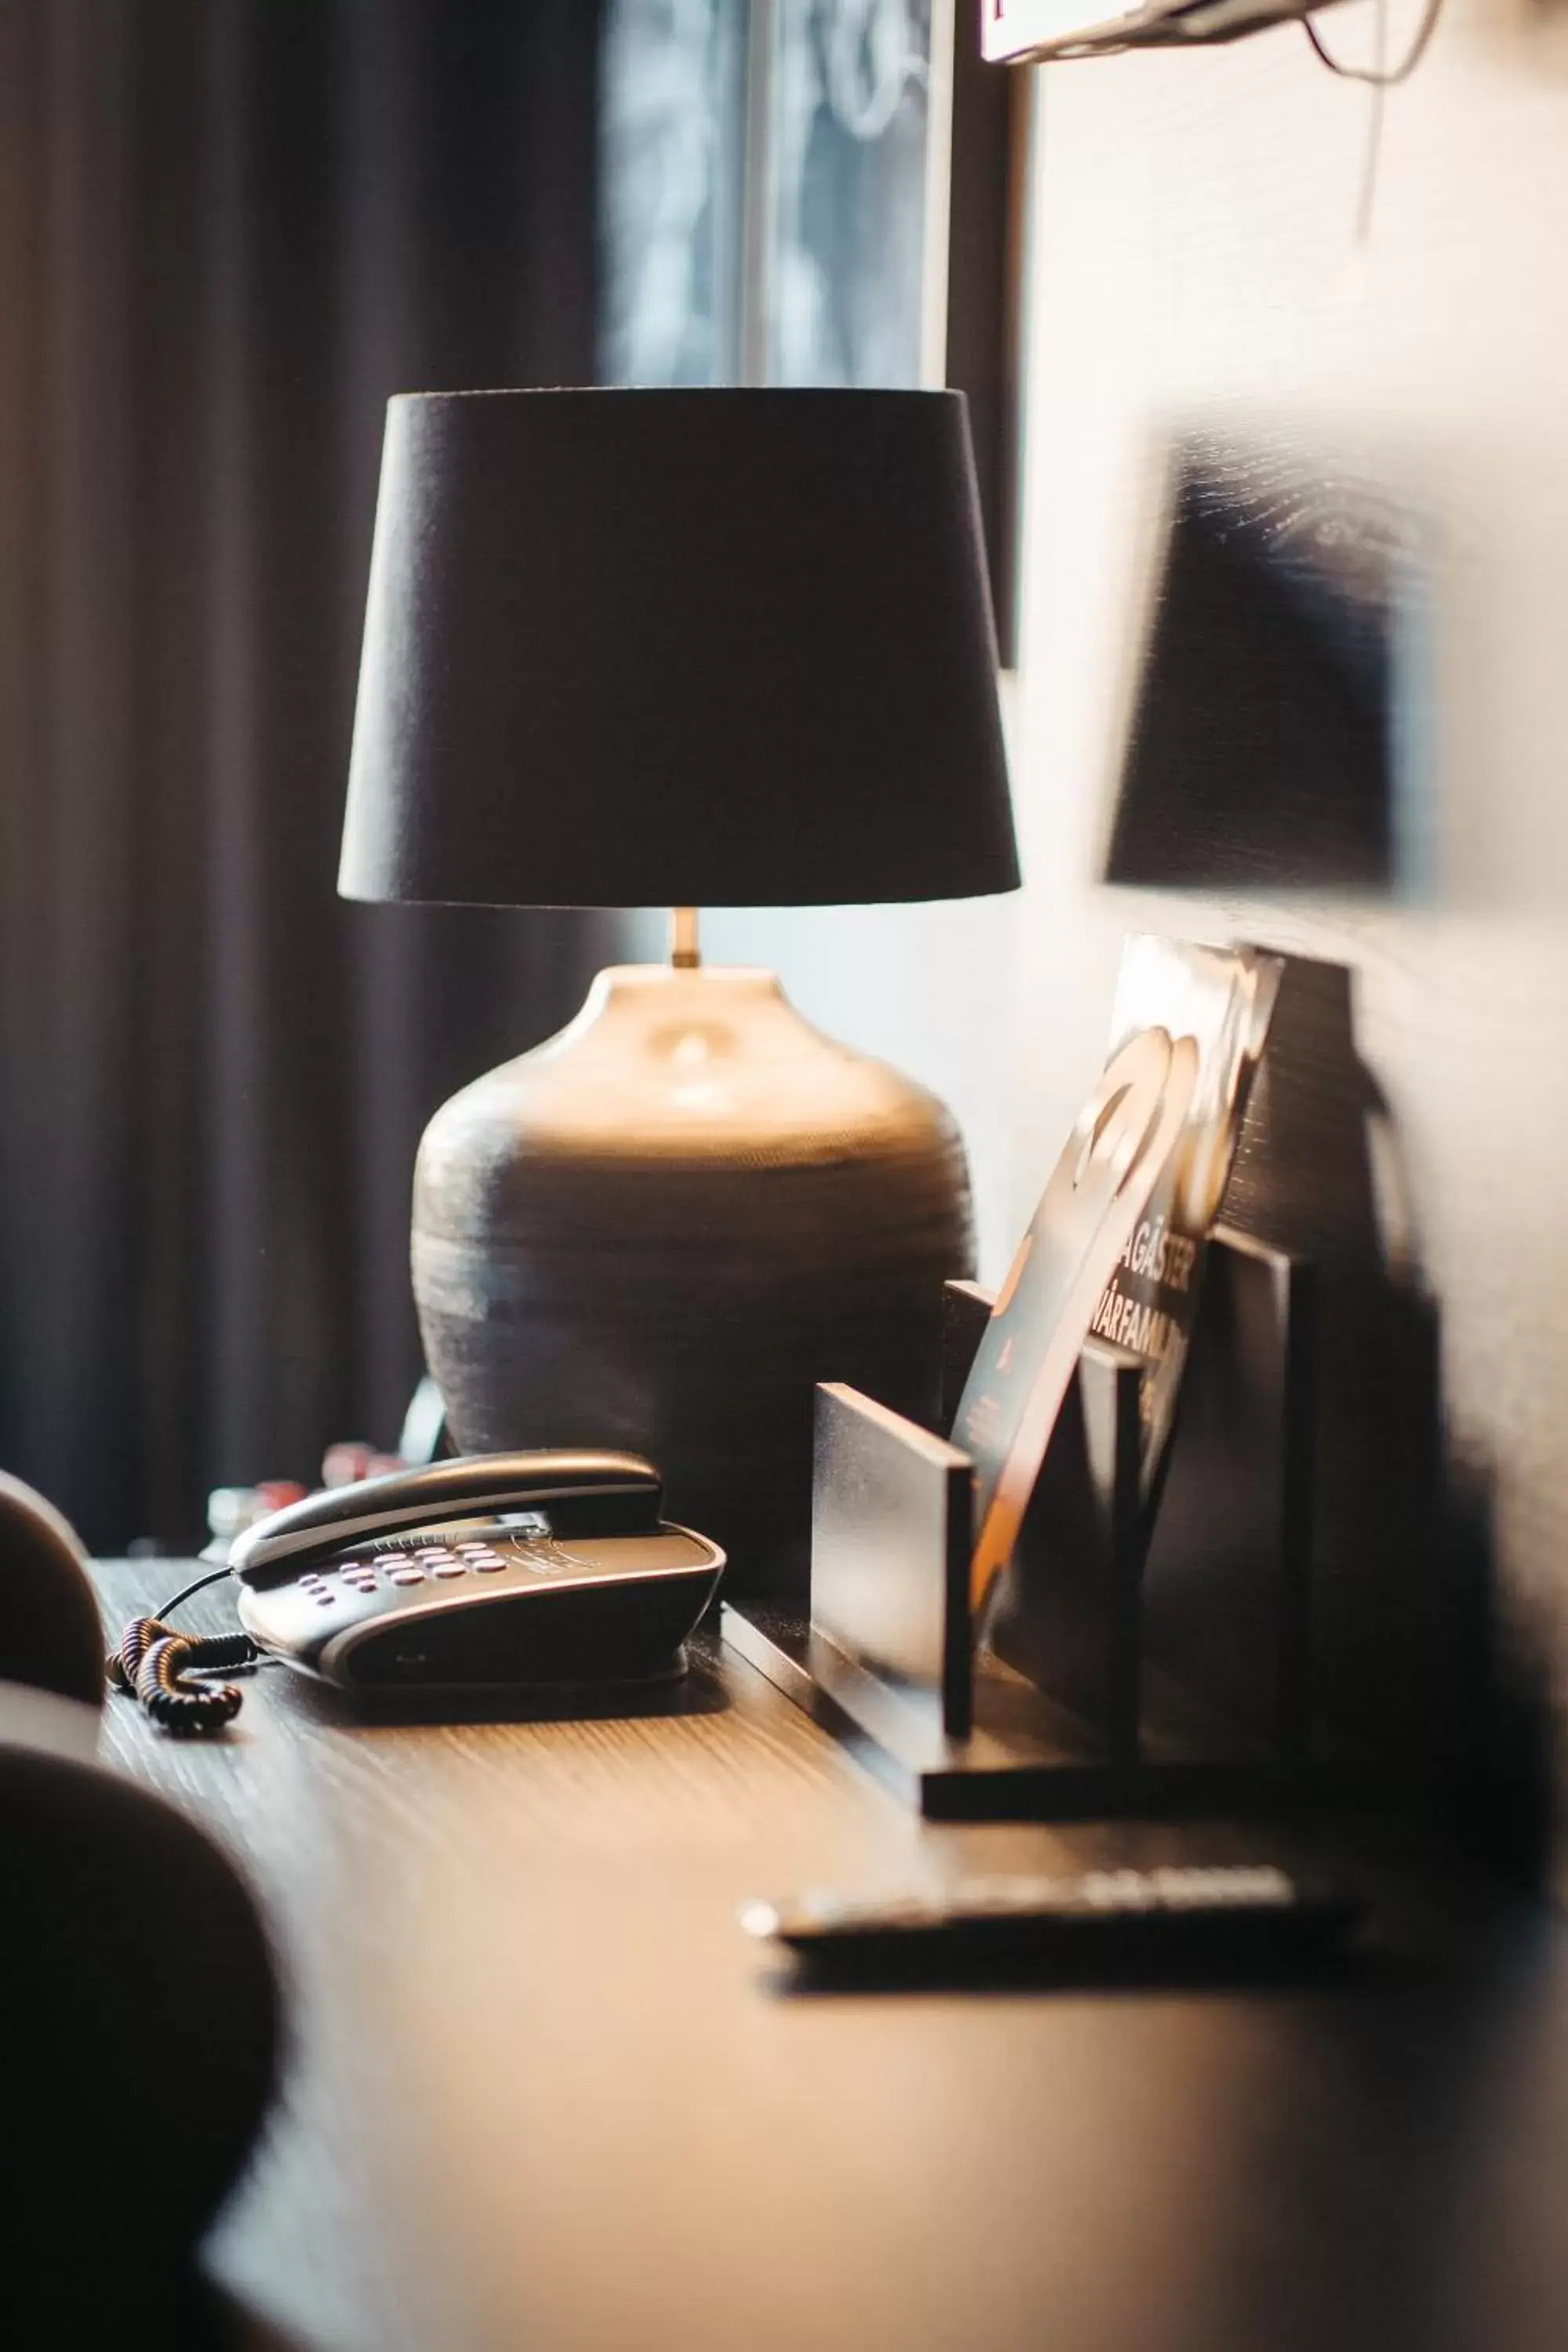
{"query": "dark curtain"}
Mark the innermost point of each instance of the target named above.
(228, 229)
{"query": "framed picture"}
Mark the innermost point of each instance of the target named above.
(819, 191)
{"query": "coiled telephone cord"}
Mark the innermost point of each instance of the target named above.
(156, 1664)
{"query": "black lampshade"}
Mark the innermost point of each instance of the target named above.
(678, 648)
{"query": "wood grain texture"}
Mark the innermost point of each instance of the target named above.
(544, 2092)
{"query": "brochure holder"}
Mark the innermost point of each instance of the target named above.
(1144, 1656)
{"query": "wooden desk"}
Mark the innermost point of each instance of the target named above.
(544, 2094)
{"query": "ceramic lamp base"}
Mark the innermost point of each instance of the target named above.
(661, 1228)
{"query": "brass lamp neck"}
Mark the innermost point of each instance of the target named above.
(685, 954)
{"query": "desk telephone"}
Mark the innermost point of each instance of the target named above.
(487, 1572)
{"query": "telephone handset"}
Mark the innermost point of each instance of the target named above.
(609, 1493)
(486, 1571)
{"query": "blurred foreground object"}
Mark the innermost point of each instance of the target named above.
(1274, 713)
(139, 2027)
(138, 2007)
(50, 1636)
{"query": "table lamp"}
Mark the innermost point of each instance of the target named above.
(681, 648)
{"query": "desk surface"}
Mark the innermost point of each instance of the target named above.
(543, 2092)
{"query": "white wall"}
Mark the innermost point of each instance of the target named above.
(1197, 257)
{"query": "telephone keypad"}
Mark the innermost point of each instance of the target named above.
(373, 1575)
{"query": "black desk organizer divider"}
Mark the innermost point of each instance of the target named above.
(1142, 1660)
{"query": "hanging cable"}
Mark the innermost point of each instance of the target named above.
(1379, 77)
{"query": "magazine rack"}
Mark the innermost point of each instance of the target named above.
(1123, 1669)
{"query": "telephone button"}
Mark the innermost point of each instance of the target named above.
(407, 1576)
(490, 1567)
(450, 1567)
